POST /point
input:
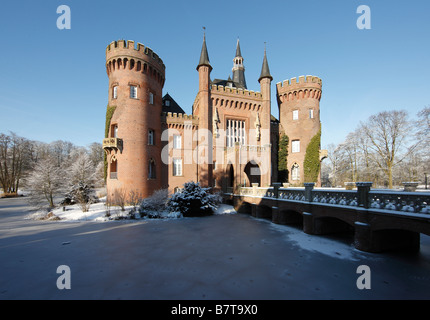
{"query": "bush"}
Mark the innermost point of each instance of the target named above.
(155, 205)
(193, 201)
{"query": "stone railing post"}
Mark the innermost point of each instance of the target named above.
(276, 186)
(308, 191)
(254, 188)
(363, 189)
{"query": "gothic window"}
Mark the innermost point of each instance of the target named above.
(235, 132)
(151, 137)
(113, 169)
(295, 172)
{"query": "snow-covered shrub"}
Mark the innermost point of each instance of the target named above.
(155, 205)
(82, 194)
(193, 201)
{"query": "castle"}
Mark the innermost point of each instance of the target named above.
(230, 140)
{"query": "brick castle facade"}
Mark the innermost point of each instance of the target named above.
(229, 140)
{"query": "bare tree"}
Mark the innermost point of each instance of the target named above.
(45, 182)
(390, 135)
(14, 159)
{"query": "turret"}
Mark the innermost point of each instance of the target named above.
(204, 111)
(265, 80)
(133, 127)
(239, 68)
(299, 117)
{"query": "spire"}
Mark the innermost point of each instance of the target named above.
(265, 72)
(204, 56)
(238, 53)
(238, 68)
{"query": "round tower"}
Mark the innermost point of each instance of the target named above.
(133, 125)
(299, 117)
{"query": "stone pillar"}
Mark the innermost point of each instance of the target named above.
(308, 191)
(308, 223)
(276, 186)
(275, 215)
(363, 189)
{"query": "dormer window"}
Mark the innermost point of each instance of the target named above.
(167, 103)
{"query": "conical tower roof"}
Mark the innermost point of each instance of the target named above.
(238, 53)
(204, 56)
(265, 72)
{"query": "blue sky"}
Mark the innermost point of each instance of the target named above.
(53, 83)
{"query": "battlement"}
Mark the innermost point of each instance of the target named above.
(293, 84)
(238, 91)
(178, 118)
(138, 50)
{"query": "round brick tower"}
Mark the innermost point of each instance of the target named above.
(133, 125)
(299, 117)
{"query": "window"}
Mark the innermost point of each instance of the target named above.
(295, 172)
(133, 92)
(176, 141)
(151, 98)
(295, 146)
(295, 114)
(114, 131)
(311, 113)
(151, 137)
(151, 169)
(177, 167)
(167, 103)
(235, 132)
(115, 92)
(113, 170)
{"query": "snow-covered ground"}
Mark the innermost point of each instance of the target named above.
(100, 212)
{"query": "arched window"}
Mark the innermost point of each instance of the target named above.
(151, 169)
(295, 172)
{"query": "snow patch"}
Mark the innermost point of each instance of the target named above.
(320, 244)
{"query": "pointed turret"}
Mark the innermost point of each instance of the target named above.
(265, 72)
(238, 68)
(204, 56)
(238, 53)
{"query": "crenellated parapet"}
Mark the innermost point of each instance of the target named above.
(173, 120)
(235, 91)
(126, 55)
(308, 87)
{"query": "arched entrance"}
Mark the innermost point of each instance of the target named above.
(253, 173)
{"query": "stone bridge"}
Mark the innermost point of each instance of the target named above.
(380, 220)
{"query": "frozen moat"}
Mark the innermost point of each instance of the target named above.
(226, 257)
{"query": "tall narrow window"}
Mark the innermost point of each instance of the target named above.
(113, 170)
(235, 132)
(151, 137)
(151, 98)
(115, 92)
(295, 146)
(176, 141)
(311, 113)
(295, 172)
(177, 167)
(151, 169)
(295, 114)
(133, 92)
(114, 131)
